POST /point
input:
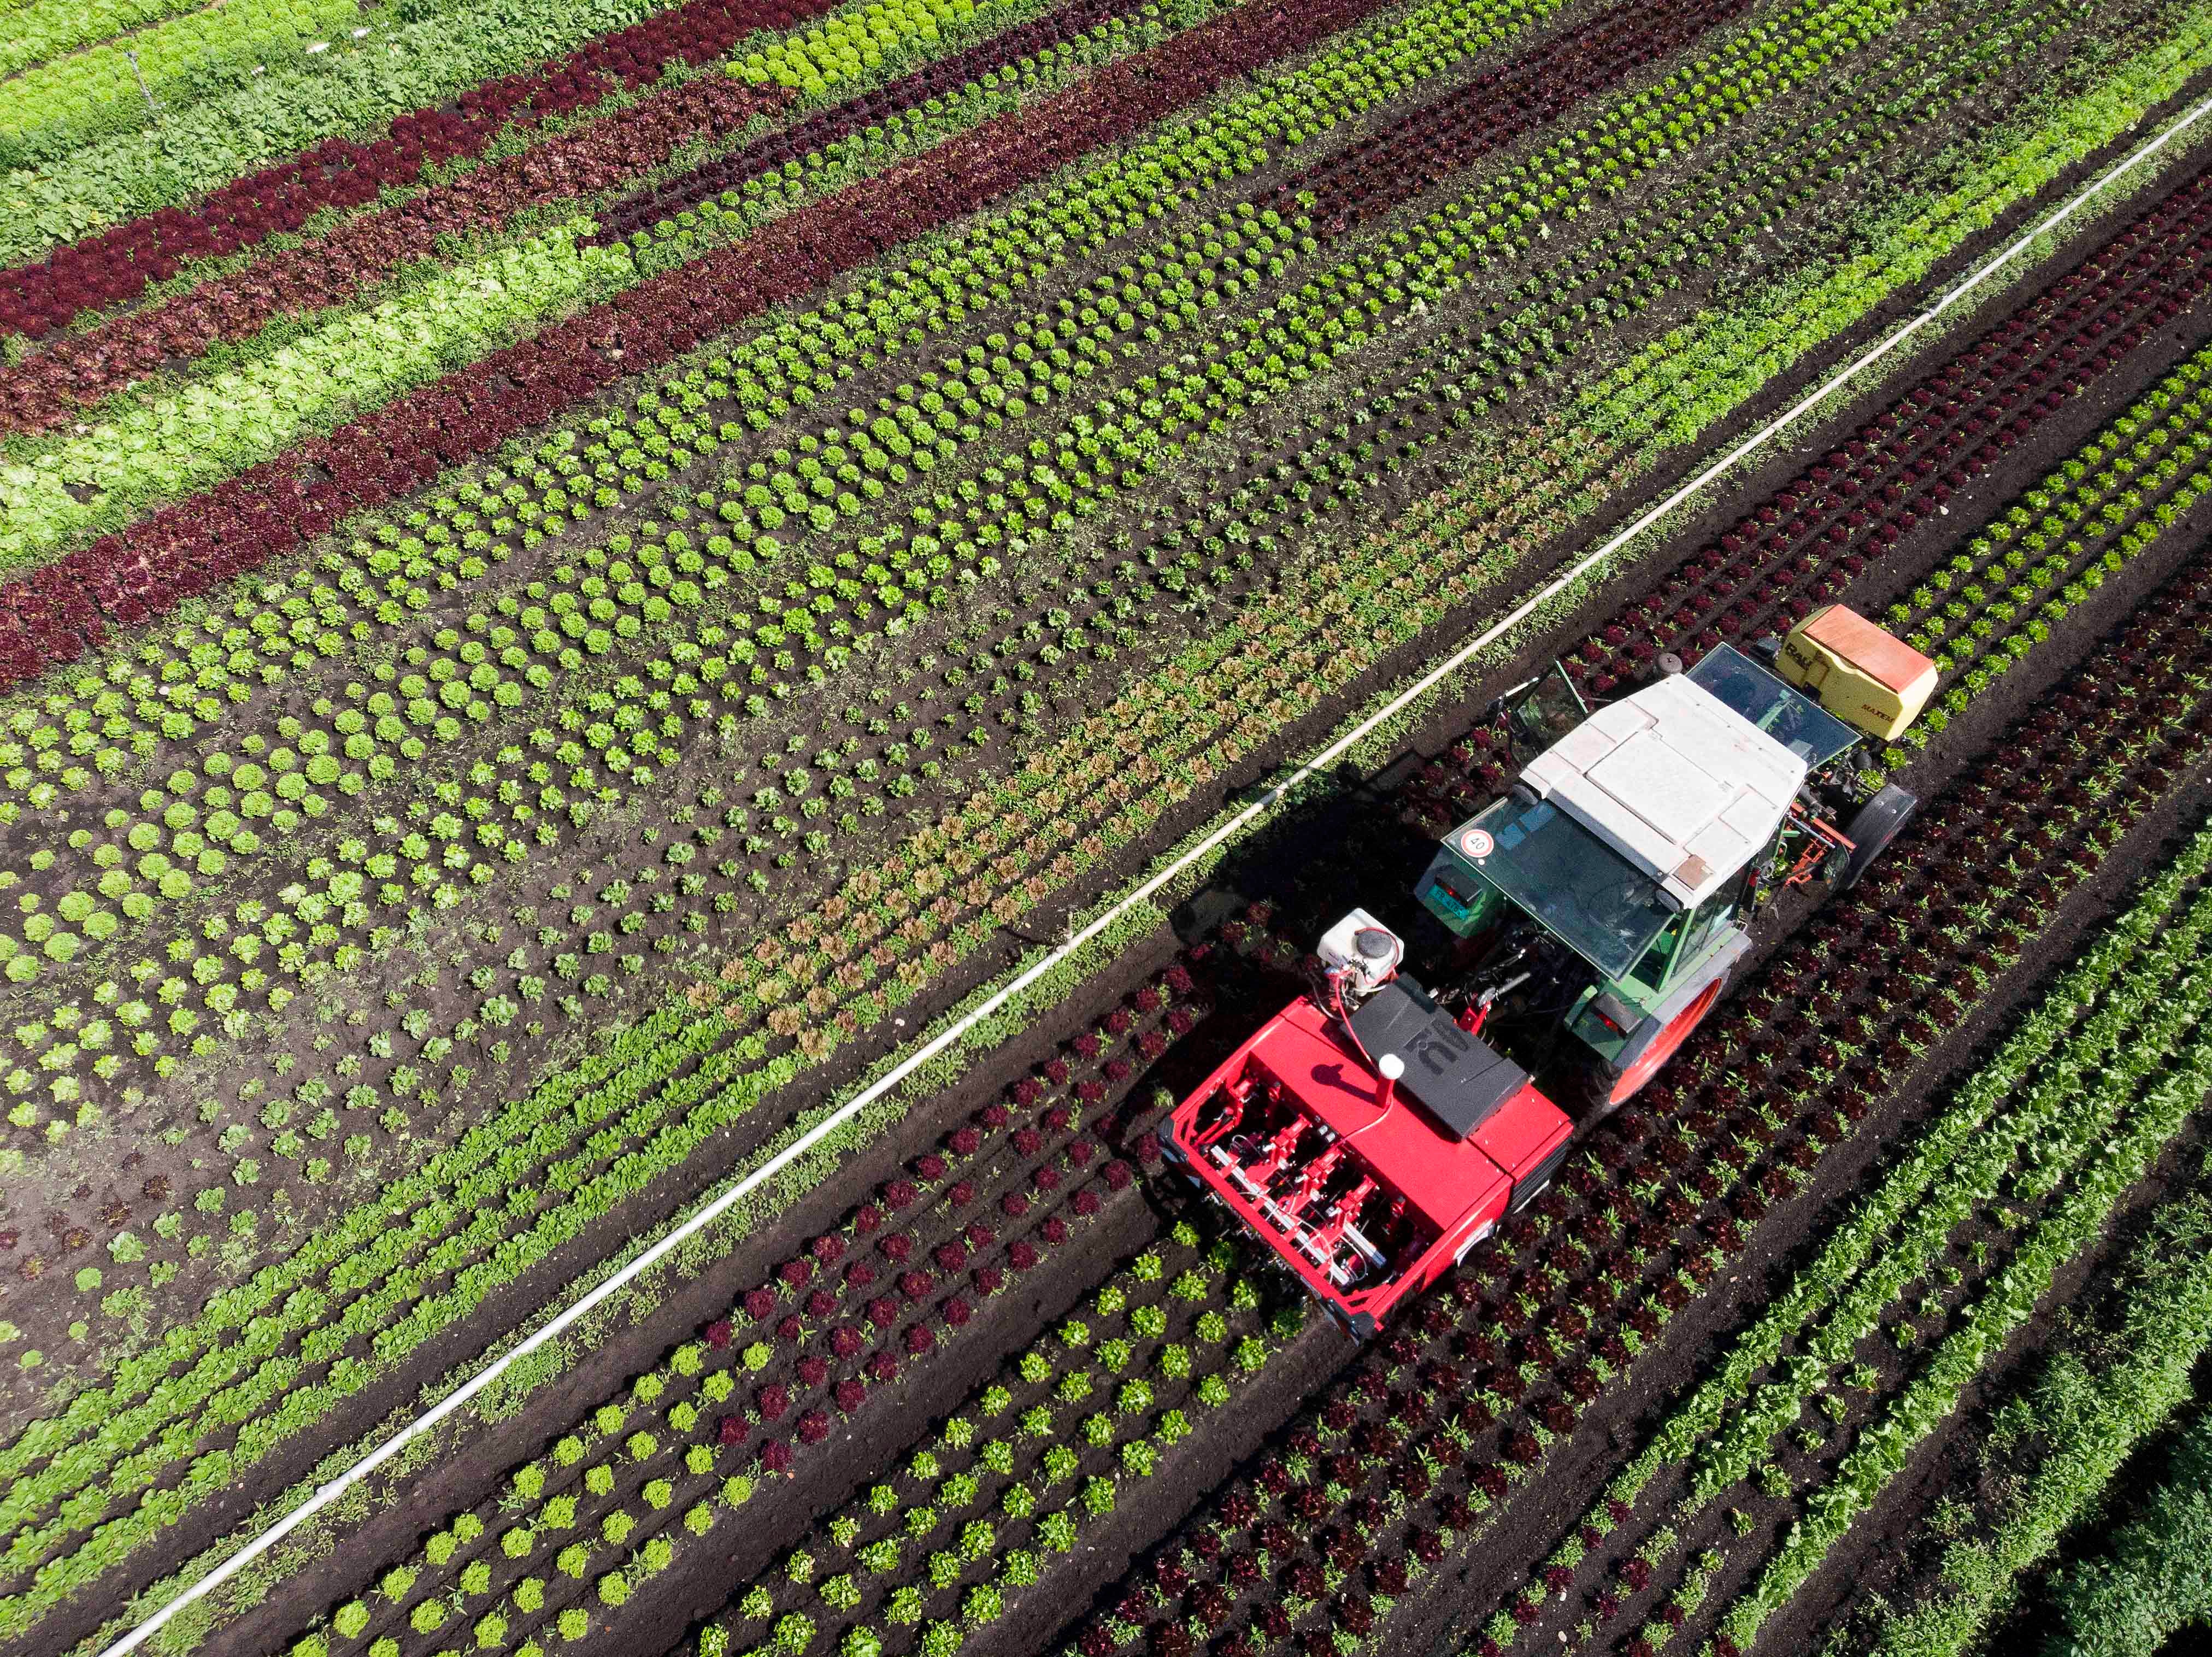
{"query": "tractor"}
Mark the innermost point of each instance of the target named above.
(1377, 1128)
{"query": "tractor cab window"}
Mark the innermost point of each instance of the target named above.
(1550, 709)
(1583, 892)
(1687, 935)
(1651, 970)
(1791, 718)
(1714, 913)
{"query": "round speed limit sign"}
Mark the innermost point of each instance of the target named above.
(1477, 842)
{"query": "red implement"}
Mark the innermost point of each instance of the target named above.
(1369, 1195)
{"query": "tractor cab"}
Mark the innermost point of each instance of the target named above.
(1606, 898)
(1376, 1128)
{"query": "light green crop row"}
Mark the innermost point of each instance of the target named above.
(1982, 611)
(414, 65)
(214, 429)
(1021, 1499)
(2164, 1096)
(660, 1495)
(2053, 1450)
(33, 31)
(60, 106)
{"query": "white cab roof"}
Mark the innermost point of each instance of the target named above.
(1683, 786)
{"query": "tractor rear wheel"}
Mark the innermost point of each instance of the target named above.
(1605, 1086)
(1876, 823)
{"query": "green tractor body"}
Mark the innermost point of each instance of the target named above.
(1606, 898)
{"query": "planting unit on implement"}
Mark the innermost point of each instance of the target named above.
(1378, 1129)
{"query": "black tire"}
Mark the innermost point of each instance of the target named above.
(1878, 822)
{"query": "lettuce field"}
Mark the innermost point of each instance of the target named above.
(669, 674)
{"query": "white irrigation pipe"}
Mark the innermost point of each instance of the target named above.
(326, 1494)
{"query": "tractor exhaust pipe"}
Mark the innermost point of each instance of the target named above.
(1390, 1068)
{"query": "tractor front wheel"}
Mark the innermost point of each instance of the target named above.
(1876, 823)
(1606, 1086)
